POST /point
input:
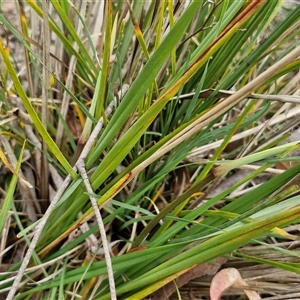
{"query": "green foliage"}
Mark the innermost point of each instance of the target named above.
(171, 140)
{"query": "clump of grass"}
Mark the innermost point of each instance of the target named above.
(145, 110)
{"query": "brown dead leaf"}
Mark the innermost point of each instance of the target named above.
(227, 278)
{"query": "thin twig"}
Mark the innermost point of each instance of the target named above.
(38, 231)
(59, 193)
(81, 168)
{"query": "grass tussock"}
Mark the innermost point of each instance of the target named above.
(145, 144)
